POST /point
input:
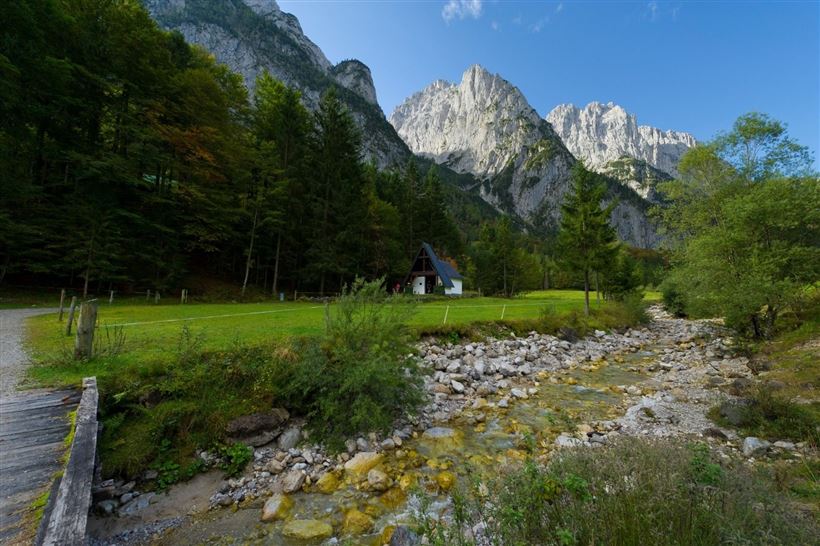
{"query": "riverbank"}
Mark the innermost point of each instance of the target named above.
(491, 402)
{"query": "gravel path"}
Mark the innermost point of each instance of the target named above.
(13, 358)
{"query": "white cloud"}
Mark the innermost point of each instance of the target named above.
(539, 24)
(559, 8)
(675, 12)
(461, 9)
(653, 10)
(494, 25)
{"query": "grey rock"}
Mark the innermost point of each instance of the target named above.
(136, 505)
(292, 481)
(754, 447)
(289, 438)
(564, 440)
(519, 393)
(106, 507)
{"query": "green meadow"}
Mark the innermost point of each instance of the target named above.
(147, 332)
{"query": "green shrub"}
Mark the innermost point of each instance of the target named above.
(234, 457)
(767, 414)
(359, 377)
(673, 298)
(631, 492)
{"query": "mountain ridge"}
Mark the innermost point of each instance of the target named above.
(484, 125)
(251, 36)
(603, 132)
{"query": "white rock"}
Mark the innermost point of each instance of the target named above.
(755, 446)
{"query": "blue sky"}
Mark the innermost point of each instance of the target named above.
(691, 66)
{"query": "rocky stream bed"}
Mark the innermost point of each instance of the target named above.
(488, 400)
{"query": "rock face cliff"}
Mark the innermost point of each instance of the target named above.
(602, 133)
(251, 36)
(485, 126)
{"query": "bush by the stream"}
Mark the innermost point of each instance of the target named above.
(359, 376)
(356, 378)
(770, 415)
(631, 492)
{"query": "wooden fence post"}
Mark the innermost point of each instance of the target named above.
(71, 309)
(62, 303)
(111, 297)
(156, 297)
(148, 294)
(84, 342)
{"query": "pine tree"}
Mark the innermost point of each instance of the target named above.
(587, 240)
(339, 202)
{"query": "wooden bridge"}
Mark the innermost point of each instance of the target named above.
(36, 460)
(33, 428)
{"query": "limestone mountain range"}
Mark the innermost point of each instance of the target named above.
(481, 127)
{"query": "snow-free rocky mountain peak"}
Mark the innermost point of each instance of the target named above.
(251, 36)
(485, 126)
(602, 133)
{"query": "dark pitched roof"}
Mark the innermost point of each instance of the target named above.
(446, 271)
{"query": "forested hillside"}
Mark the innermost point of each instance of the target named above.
(132, 159)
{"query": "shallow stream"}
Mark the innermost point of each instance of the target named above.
(483, 438)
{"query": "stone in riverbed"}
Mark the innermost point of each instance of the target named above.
(307, 529)
(357, 523)
(519, 393)
(136, 505)
(435, 433)
(327, 483)
(276, 507)
(457, 386)
(361, 464)
(292, 481)
(378, 480)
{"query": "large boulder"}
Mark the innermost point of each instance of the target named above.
(357, 523)
(362, 463)
(257, 429)
(276, 507)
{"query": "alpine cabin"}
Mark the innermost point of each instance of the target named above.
(429, 273)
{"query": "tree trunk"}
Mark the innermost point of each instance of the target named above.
(250, 251)
(597, 291)
(505, 279)
(586, 292)
(85, 284)
(276, 264)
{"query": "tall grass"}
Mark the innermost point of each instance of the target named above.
(633, 492)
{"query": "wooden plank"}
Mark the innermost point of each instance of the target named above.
(33, 425)
(69, 511)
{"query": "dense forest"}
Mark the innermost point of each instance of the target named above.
(132, 159)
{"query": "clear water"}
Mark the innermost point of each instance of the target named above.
(485, 440)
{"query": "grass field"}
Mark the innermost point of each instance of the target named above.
(152, 331)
